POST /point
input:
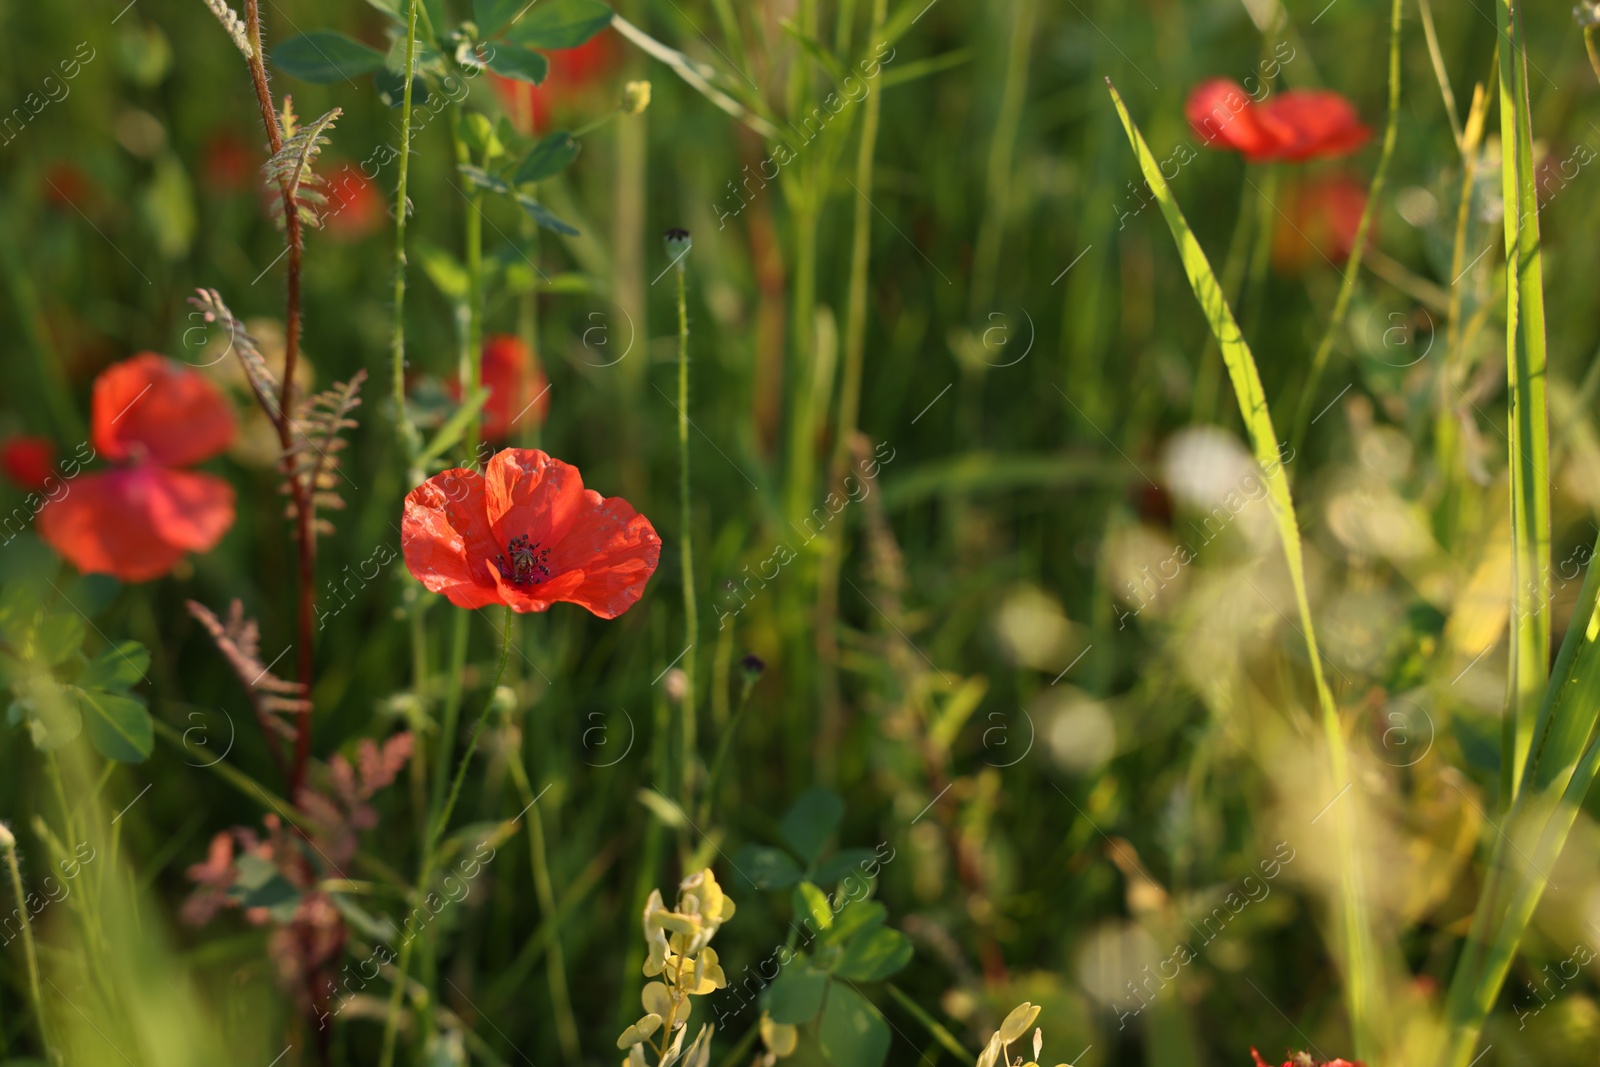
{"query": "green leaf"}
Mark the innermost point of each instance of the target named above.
(324, 57)
(395, 9)
(454, 426)
(443, 270)
(119, 726)
(19, 612)
(549, 157)
(391, 87)
(669, 813)
(514, 61)
(856, 917)
(482, 178)
(377, 927)
(539, 214)
(556, 24)
(259, 885)
(811, 820)
(767, 868)
(842, 864)
(59, 635)
(852, 1032)
(492, 15)
(119, 667)
(795, 996)
(51, 713)
(812, 901)
(873, 955)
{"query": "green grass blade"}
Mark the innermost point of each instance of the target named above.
(1362, 983)
(1352, 267)
(1530, 432)
(1560, 771)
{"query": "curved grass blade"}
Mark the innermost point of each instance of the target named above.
(1362, 992)
(1530, 431)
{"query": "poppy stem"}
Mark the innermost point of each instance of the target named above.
(691, 618)
(305, 545)
(409, 441)
(430, 848)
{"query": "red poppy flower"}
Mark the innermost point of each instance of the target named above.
(572, 71)
(1321, 220)
(527, 534)
(28, 461)
(1303, 1059)
(354, 208)
(1295, 125)
(137, 520)
(518, 388)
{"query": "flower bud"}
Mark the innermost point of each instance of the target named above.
(635, 97)
(8, 840)
(678, 243)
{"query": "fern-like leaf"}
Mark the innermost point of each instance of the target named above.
(262, 381)
(239, 641)
(319, 425)
(291, 170)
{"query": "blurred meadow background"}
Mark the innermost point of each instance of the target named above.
(1186, 669)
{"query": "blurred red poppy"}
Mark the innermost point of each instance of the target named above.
(1303, 1059)
(1321, 220)
(65, 185)
(137, 520)
(28, 461)
(225, 163)
(527, 534)
(354, 208)
(1295, 125)
(572, 72)
(518, 388)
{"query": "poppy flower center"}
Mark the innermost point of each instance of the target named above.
(526, 566)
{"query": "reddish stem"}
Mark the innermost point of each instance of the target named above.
(306, 546)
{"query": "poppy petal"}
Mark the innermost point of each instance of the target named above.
(538, 597)
(1223, 116)
(137, 523)
(1312, 123)
(621, 549)
(531, 494)
(446, 538)
(613, 547)
(154, 406)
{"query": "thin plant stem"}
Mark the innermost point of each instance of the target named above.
(8, 845)
(691, 616)
(1261, 252)
(304, 540)
(723, 749)
(1002, 151)
(930, 1024)
(1439, 72)
(406, 430)
(544, 889)
(855, 343)
(1208, 378)
(430, 848)
(1352, 266)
